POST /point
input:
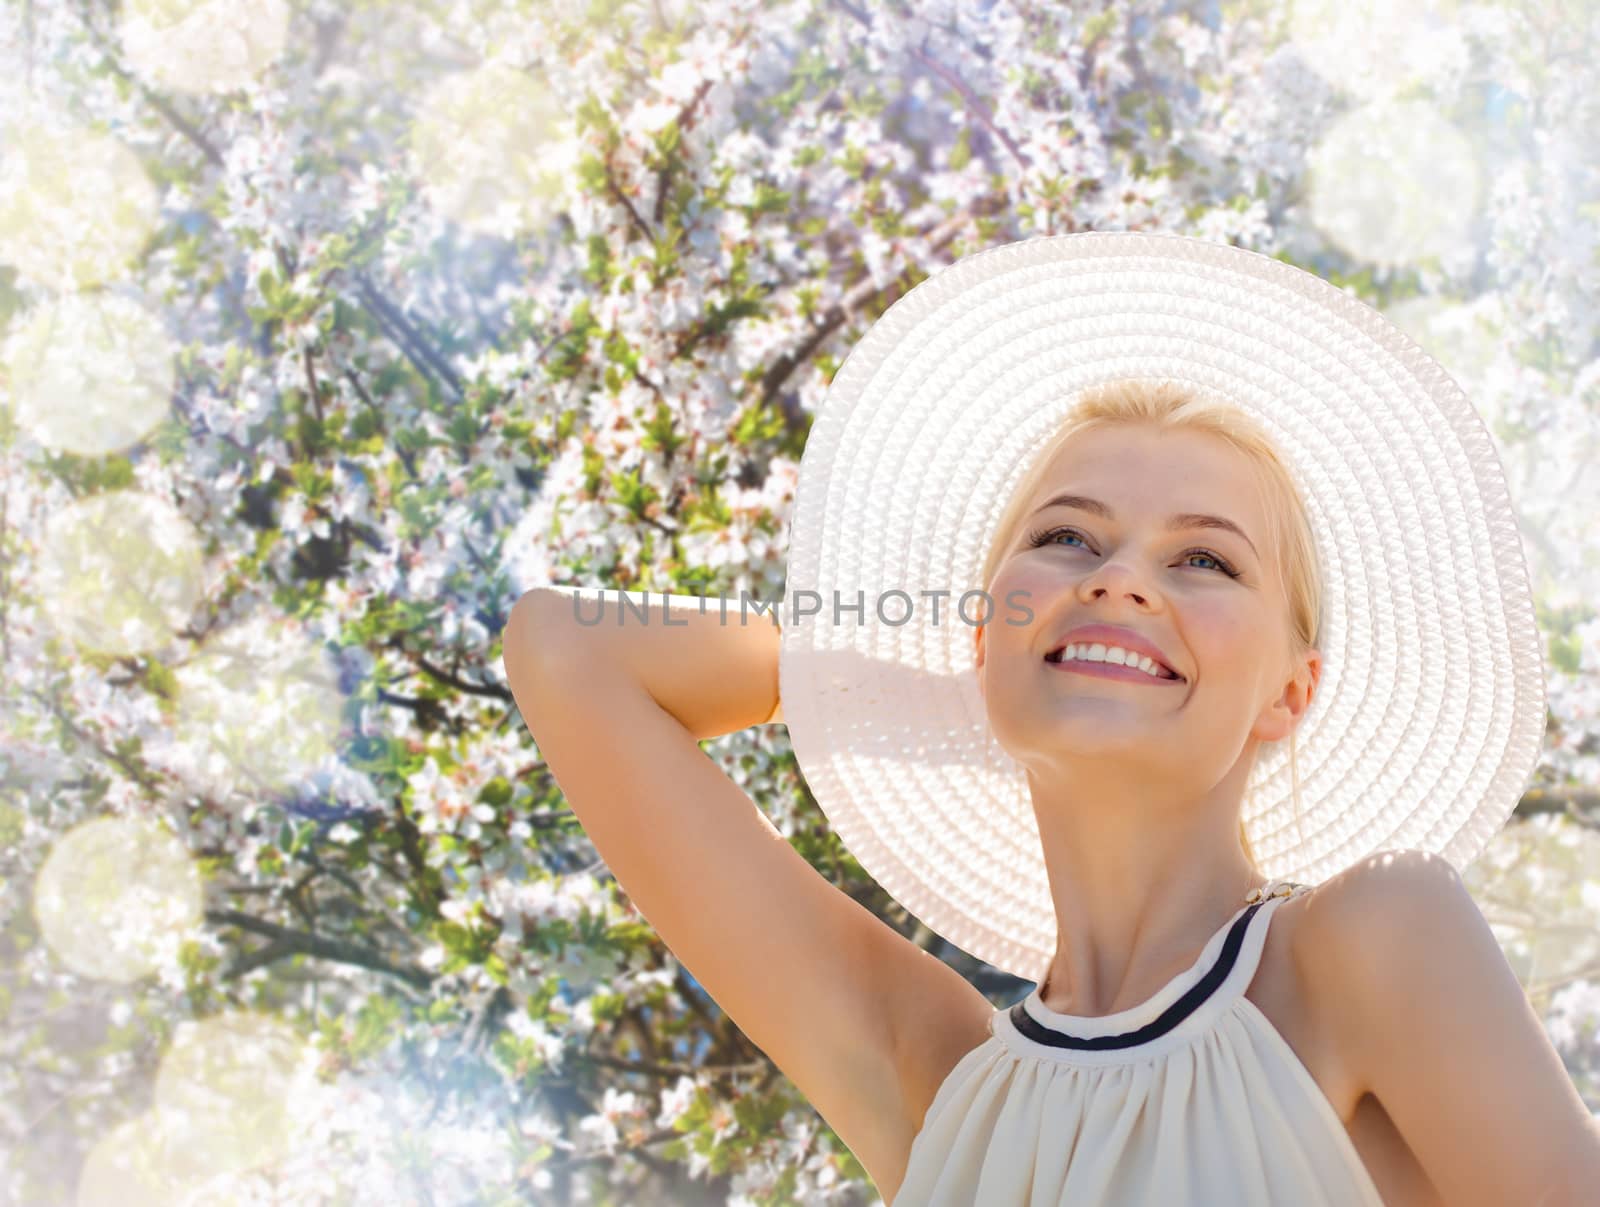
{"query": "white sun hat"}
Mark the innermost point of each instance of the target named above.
(1429, 715)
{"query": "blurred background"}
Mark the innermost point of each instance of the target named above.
(328, 327)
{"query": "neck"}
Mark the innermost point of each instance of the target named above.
(1138, 888)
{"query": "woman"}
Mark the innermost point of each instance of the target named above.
(1081, 424)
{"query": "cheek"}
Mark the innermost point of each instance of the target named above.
(1225, 640)
(1022, 596)
(1034, 581)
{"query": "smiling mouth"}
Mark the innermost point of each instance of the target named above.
(1111, 670)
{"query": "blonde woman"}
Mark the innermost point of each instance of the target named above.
(1236, 669)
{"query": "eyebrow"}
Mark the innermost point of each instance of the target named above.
(1186, 519)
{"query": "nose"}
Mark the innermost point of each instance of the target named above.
(1113, 576)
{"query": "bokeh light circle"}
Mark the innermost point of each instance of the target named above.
(119, 572)
(201, 46)
(115, 896)
(127, 1166)
(1372, 48)
(260, 705)
(90, 373)
(228, 1086)
(157, 1160)
(493, 151)
(76, 207)
(1394, 183)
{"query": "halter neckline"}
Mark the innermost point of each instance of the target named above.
(1181, 993)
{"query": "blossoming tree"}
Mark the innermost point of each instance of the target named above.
(330, 328)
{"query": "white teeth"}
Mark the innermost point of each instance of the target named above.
(1115, 654)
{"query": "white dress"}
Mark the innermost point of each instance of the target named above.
(1191, 1097)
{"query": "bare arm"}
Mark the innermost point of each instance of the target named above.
(1445, 1038)
(710, 664)
(810, 975)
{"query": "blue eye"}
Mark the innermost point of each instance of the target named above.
(1049, 536)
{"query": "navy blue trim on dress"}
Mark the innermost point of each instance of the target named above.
(1174, 1014)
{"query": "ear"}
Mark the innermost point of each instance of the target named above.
(978, 646)
(1283, 715)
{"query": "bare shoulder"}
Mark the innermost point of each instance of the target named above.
(1367, 893)
(1384, 912)
(1398, 879)
(1333, 943)
(1434, 1025)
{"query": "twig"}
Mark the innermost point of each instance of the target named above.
(142, 776)
(853, 300)
(411, 847)
(973, 101)
(664, 177)
(485, 1020)
(492, 690)
(157, 102)
(406, 458)
(286, 942)
(1582, 805)
(616, 191)
(418, 351)
(311, 381)
(748, 1068)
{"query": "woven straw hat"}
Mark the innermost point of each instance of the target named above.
(1428, 718)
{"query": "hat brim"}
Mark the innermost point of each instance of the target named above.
(1430, 711)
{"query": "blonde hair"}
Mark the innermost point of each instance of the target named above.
(1170, 406)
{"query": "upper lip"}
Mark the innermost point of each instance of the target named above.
(1112, 634)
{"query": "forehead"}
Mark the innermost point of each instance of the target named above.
(1138, 469)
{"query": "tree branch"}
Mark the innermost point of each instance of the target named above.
(1582, 805)
(678, 1069)
(685, 122)
(491, 690)
(854, 299)
(156, 101)
(286, 942)
(139, 774)
(417, 349)
(974, 102)
(622, 198)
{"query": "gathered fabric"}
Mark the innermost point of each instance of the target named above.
(1191, 1097)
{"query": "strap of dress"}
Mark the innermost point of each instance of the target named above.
(1260, 904)
(1276, 888)
(1236, 965)
(1210, 986)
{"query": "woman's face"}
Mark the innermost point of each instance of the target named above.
(1225, 634)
